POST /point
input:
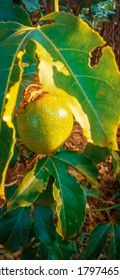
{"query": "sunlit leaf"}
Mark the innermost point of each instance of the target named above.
(3, 160)
(34, 182)
(8, 97)
(11, 70)
(69, 71)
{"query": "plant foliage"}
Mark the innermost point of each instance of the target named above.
(60, 49)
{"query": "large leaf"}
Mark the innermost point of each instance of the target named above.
(65, 61)
(97, 241)
(43, 225)
(8, 97)
(34, 182)
(70, 200)
(96, 88)
(14, 229)
(12, 12)
(80, 162)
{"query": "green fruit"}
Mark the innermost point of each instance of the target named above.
(45, 124)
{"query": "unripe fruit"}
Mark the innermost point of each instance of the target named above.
(45, 124)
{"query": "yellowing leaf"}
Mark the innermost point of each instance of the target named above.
(96, 88)
(10, 101)
(34, 182)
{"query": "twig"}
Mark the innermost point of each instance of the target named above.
(103, 209)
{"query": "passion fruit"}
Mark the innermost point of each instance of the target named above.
(45, 124)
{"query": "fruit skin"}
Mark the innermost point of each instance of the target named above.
(45, 124)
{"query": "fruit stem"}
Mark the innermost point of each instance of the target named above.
(55, 5)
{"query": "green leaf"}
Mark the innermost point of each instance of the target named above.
(67, 59)
(93, 192)
(8, 193)
(61, 250)
(14, 159)
(95, 153)
(7, 138)
(114, 246)
(12, 12)
(14, 229)
(34, 182)
(11, 70)
(80, 162)
(11, 77)
(35, 252)
(31, 5)
(70, 200)
(43, 225)
(97, 241)
(29, 57)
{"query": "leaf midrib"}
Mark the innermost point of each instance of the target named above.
(76, 80)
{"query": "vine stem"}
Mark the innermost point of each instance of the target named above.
(103, 209)
(55, 5)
